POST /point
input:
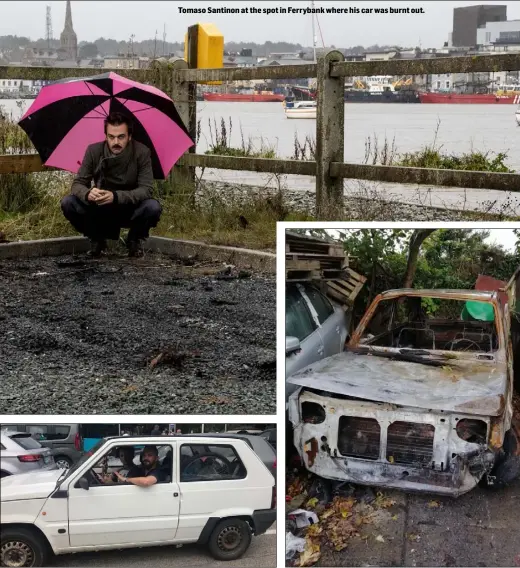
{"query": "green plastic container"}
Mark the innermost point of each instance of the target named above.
(482, 311)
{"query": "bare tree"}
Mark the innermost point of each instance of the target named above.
(416, 241)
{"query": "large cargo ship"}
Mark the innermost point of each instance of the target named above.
(467, 99)
(360, 96)
(243, 97)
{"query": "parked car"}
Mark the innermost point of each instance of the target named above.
(315, 328)
(270, 436)
(20, 453)
(218, 493)
(422, 398)
(63, 439)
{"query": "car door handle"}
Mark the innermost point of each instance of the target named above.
(176, 494)
(320, 351)
(337, 329)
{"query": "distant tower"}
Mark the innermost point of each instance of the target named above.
(68, 38)
(48, 28)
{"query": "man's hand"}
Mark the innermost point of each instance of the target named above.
(106, 198)
(100, 196)
(119, 476)
(94, 194)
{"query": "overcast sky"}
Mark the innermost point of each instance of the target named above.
(120, 19)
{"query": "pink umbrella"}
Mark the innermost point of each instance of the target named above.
(68, 115)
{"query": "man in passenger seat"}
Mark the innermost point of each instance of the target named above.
(149, 473)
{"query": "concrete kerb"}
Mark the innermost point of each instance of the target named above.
(242, 258)
(44, 247)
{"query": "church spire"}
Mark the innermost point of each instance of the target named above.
(68, 17)
(68, 38)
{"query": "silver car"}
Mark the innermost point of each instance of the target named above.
(315, 328)
(21, 453)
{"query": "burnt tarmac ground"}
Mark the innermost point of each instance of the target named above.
(480, 528)
(135, 336)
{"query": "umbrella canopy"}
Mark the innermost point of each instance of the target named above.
(68, 115)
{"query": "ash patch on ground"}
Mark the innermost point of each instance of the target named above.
(151, 335)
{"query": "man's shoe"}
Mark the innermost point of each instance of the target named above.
(135, 247)
(97, 247)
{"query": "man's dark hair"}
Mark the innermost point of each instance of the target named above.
(118, 118)
(152, 449)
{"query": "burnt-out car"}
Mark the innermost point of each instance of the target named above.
(421, 400)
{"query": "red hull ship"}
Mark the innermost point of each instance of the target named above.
(239, 97)
(464, 99)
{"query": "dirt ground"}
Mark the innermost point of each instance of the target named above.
(141, 336)
(479, 528)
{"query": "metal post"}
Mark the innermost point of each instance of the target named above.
(330, 135)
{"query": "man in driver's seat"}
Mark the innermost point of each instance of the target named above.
(148, 473)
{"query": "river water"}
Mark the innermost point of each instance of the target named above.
(454, 128)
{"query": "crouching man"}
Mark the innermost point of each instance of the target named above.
(113, 189)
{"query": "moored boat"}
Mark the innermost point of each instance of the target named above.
(468, 99)
(244, 98)
(301, 109)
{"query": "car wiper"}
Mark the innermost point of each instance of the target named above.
(409, 355)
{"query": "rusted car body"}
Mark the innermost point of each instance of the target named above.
(423, 405)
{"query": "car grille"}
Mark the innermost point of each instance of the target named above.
(359, 437)
(407, 442)
(410, 443)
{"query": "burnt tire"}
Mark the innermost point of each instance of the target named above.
(23, 547)
(507, 468)
(505, 473)
(229, 539)
(321, 489)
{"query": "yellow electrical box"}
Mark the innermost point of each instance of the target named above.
(210, 49)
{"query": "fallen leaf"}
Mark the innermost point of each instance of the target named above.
(156, 360)
(383, 502)
(311, 553)
(412, 537)
(379, 538)
(394, 518)
(391, 459)
(433, 504)
(311, 503)
(314, 530)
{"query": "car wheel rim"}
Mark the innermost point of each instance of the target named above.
(62, 464)
(16, 554)
(229, 538)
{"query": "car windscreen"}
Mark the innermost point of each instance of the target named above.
(26, 441)
(82, 459)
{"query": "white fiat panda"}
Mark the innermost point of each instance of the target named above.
(212, 490)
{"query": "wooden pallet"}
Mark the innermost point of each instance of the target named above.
(346, 289)
(314, 275)
(301, 244)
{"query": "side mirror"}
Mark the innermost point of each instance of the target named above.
(292, 344)
(83, 483)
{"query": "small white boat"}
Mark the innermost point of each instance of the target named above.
(517, 116)
(301, 109)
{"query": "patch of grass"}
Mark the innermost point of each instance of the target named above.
(245, 219)
(431, 156)
(220, 142)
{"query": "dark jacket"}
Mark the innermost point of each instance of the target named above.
(130, 186)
